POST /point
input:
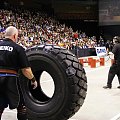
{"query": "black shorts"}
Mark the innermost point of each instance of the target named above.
(10, 93)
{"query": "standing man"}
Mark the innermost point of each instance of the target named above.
(115, 68)
(13, 59)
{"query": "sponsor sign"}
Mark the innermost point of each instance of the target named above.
(101, 51)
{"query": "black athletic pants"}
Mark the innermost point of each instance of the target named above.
(11, 95)
(114, 70)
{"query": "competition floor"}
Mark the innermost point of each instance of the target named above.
(100, 104)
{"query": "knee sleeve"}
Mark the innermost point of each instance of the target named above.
(21, 113)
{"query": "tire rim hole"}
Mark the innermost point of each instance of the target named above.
(45, 89)
(47, 84)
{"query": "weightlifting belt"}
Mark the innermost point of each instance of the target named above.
(8, 71)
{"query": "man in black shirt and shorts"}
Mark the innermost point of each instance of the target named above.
(115, 68)
(13, 59)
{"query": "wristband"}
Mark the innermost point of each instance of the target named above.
(33, 79)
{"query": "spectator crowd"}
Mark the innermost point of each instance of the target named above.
(36, 27)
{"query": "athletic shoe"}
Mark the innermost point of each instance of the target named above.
(118, 87)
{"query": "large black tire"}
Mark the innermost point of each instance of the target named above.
(70, 84)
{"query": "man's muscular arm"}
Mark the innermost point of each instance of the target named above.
(27, 72)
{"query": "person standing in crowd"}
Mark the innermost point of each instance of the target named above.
(13, 59)
(115, 68)
(107, 45)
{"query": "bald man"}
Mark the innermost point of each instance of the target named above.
(13, 59)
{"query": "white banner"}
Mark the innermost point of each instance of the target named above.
(101, 51)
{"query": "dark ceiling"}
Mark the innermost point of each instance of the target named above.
(77, 9)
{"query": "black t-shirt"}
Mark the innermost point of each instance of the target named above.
(116, 52)
(12, 55)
